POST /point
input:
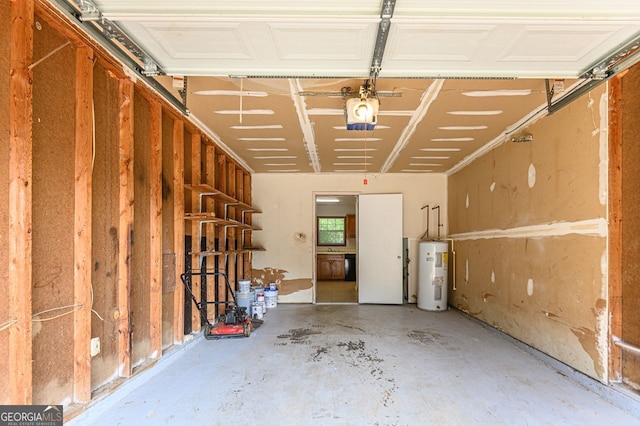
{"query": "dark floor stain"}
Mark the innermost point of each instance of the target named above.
(317, 356)
(426, 337)
(298, 335)
(360, 357)
(352, 327)
(352, 346)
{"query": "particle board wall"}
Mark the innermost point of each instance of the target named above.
(630, 224)
(53, 216)
(529, 224)
(105, 222)
(4, 193)
(140, 303)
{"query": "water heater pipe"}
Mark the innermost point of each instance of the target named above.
(453, 260)
(624, 345)
(439, 224)
(426, 233)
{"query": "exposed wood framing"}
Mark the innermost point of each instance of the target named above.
(233, 231)
(155, 232)
(196, 178)
(221, 184)
(208, 176)
(248, 220)
(125, 227)
(20, 198)
(82, 226)
(239, 267)
(178, 228)
(615, 227)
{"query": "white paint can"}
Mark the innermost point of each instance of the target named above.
(257, 311)
(270, 298)
(272, 286)
(244, 286)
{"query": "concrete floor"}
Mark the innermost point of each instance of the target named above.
(355, 365)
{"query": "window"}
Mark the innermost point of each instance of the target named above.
(331, 231)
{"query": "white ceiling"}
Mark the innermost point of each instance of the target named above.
(437, 53)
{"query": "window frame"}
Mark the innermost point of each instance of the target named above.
(344, 231)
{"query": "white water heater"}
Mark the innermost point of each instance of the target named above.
(432, 275)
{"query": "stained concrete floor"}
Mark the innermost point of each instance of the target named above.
(355, 365)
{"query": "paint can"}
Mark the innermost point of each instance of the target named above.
(257, 310)
(270, 298)
(244, 286)
(272, 286)
(243, 298)
(260, 295)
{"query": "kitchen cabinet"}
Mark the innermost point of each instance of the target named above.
(330, 267)
(351, 225)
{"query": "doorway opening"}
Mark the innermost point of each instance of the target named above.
(335, 249)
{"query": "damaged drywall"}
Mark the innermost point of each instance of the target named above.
(531, 232)
(289, 290)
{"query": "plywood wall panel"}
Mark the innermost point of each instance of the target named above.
(529, 220)
(5, 14)
(140, 291)
(105, 222)
(631, 224)
(53, 216)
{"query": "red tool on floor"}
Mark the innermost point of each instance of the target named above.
(235, 322)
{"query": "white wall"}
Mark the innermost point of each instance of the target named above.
(288, 219)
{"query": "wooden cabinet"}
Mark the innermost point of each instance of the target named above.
(330, 267)
(351, 226)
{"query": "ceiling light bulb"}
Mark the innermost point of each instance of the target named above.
(362, 111)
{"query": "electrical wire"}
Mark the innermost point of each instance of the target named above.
(7, 324)
(75, 307)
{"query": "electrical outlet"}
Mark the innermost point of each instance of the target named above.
(95, 346)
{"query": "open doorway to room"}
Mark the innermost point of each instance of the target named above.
(335, 249)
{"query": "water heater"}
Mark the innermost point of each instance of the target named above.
(432, 275)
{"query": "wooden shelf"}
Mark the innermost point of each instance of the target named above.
(210, 217)
(217, 252)
(209, 191)
(202, 216)
(204, 190)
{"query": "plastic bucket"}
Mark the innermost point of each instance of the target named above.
(270, 298)
(244, 286)
(244, 299)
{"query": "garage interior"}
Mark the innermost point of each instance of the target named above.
(142, 139)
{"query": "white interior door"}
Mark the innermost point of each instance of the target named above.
(380, 248)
